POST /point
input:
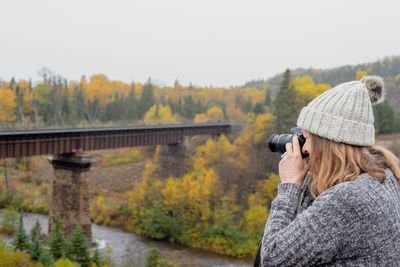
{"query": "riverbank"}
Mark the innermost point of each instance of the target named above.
(126, 248)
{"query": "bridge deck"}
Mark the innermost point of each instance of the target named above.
(23, 143)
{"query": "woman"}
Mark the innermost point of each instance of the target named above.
(348, 212)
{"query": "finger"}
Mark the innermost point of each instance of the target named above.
(289, 147)
(296, 145)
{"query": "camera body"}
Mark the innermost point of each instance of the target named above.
(277, 142)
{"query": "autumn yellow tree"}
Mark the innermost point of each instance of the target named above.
(200, 118)
(235, 113)
(214, 153)
(7, 105)
(99, 88)
(159, 114)
(307, 89)
(202, 193)
(360, 74)
(215, 114)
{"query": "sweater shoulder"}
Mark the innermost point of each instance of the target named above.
(364, 183)
(352, 193)
(364, 196)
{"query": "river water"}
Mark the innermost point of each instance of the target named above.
(132, 248)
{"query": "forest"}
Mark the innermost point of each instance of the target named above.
(388, 68)
(221, 203)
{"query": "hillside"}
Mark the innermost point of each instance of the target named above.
(388, 68)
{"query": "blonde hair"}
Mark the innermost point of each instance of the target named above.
(332, 163)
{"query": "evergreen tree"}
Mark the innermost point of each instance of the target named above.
(12, 83)
(97, 258)
(36, 250)
(268, 98)
(397, 122)
(176, 83)
(79, 248)
(94, 110)
(78, 104)
(248, 106)
(21, 239)
(46, 258)
(384, 117)
(65, 113)
(179, 107)
(226, 116)
(58, 245)
(188, 107)
(19, 110)
(147, 100)
(30, 86)
(115, 109)
(131, 105)
(36, 231)
(191, 87)
(286, 107)
(171, 105)
(198, 108)
(258, 108)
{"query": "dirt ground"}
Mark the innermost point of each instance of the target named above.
(118, 178)
(388, 140)
(108, 179)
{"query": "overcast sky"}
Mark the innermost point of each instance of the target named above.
(206, 42)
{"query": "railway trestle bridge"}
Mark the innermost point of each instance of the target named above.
(68, 149)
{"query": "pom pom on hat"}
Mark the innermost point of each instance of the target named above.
(375, 87)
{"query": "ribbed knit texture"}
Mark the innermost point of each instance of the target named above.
(341, 114)
(351, 224)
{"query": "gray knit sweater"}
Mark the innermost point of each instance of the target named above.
(351, 224)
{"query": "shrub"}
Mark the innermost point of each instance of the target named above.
(124, 210)
(65, 263)
(9, 222)
(10, 258)
(11, 199)
(161, 226)
(42, 208)
(157, 259)
(38, 182)
(225, 237)
(122, 157)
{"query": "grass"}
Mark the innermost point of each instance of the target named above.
(124, 156)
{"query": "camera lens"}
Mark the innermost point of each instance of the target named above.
(277, 142)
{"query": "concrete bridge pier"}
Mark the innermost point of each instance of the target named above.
(70, 199)
(172, 159)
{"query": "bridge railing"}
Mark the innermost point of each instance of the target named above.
(23, 143)
(16, 125)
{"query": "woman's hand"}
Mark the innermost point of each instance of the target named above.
(293, 168)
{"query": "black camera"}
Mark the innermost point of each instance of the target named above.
(277, 142)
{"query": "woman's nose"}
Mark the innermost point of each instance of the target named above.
(304, 149)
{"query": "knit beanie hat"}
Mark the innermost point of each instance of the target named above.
(344, 113)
